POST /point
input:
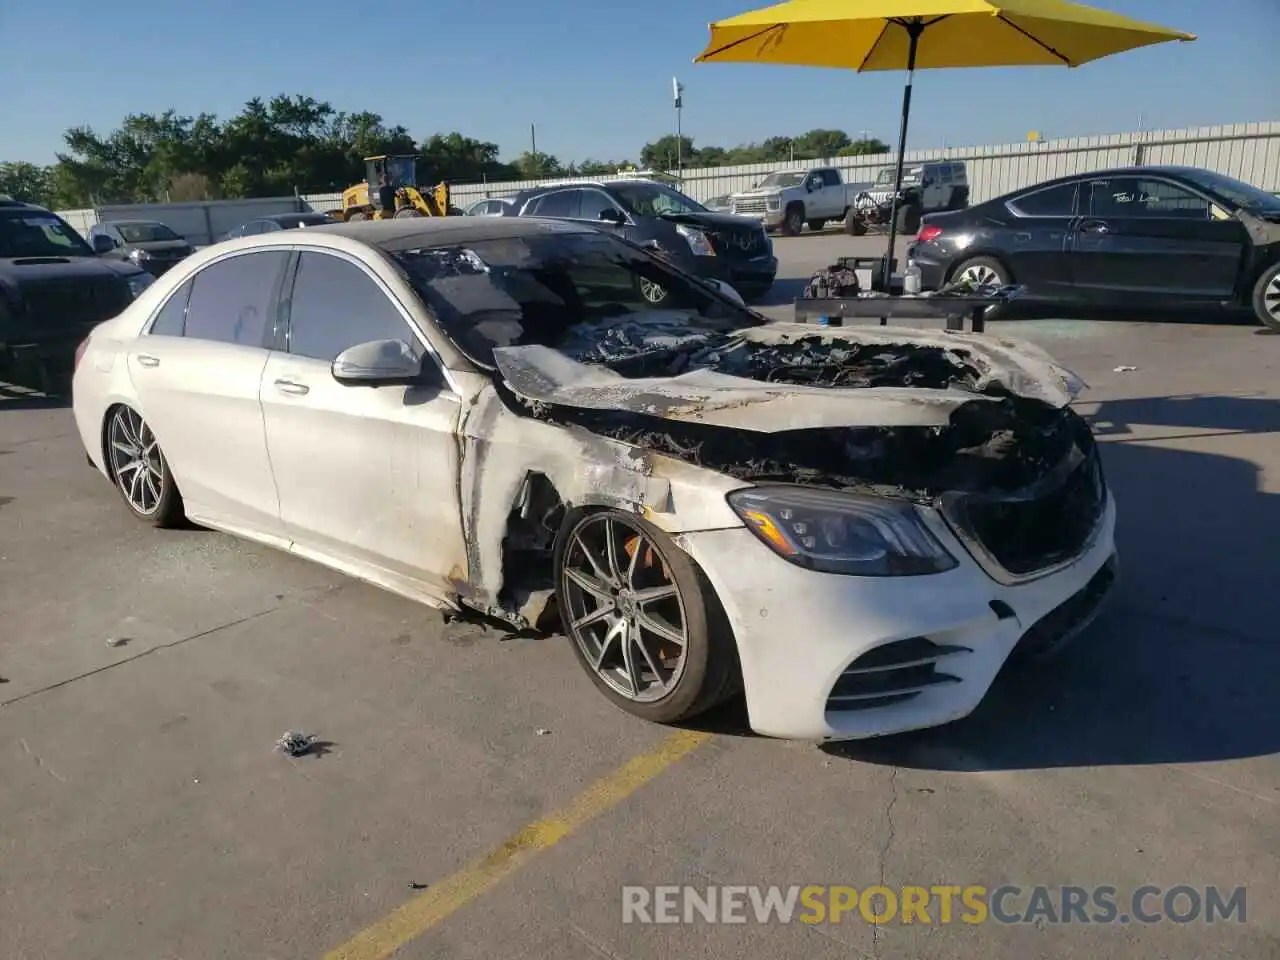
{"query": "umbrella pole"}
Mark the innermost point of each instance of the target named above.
(914, 29)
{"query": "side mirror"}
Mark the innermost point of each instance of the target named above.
(380, 363)
(102, 243)
(612, 215)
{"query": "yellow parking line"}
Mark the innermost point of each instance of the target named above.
(423, 912)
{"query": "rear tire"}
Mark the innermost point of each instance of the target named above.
(612, 629)
(985, 271)
(139, 470)
(908, 219)
(1266, 298)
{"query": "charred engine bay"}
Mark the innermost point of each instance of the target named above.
(999, 442)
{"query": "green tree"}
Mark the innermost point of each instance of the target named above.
(821, 144)
(533, 165)
(27, 181)
(869, 147)
(663, 153)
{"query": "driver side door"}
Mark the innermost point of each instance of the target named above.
(367, 475)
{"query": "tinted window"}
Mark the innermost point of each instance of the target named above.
(1139, 197)
(1057, 201)
(565, 203)
(231, 299)
(143, 232)
(594, 203)
(831, 178)
(337, 305)
(172, 319)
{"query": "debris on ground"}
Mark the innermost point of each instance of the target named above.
(1125, 369)
(117, 641)
(296, 744)
(415, 885)
(542, 731)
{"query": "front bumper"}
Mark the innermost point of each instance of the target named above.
(798, 632)
(748, 277)
(769, 219)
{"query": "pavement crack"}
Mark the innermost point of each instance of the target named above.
(890, 833)
(41, 764)
(137, 656)
(596, 946)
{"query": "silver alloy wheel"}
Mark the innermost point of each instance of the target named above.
(625, 611)
(136, 462)
(980, 275)
(1271, 299)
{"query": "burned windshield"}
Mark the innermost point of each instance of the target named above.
(586, 294)
(36, 233)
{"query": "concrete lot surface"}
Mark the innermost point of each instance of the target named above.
(474, 797)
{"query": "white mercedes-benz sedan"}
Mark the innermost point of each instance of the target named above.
(857, 529)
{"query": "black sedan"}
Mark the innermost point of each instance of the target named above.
(151, 245)
(1133, 237)
(715, 246)
(278, 221)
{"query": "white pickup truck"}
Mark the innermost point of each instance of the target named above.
(788, 199)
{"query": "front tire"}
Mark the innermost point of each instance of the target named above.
(140, 471)
(854, 225)
(793, 221)
(1266, 298)
(908, 219)
(643, 621)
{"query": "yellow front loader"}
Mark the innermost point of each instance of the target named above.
(360, 202)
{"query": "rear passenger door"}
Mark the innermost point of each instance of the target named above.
(368, 476)
(197, 372)
(1037, 237)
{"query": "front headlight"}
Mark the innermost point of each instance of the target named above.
(137, 255)
(698, 242)
(774, 202)
(139, 282)
(834, 532)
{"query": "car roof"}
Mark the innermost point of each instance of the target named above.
(277, 217)
(1169, 170)
(410, 232)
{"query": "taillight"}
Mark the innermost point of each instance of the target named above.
(928, 232)
(84, 345)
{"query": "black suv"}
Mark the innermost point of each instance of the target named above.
(53, 290)
(715, 246)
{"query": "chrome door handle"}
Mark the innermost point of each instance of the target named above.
(147, 360)
(1094, 226)
(292, 387)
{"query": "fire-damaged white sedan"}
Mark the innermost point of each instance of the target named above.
(490, 416)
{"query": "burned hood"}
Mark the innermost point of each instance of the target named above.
(783, 376)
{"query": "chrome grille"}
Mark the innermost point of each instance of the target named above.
(1028, 533)
(750, 206)
(892, 673)
(738, 243)
(75, 301)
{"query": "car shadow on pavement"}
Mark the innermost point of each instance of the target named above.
(20, 396)
(1183, 666)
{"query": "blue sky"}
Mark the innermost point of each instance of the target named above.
(594, 77)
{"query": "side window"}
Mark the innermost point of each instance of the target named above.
(830, 178)
(171, 321)
(336, 305)
(1156, 198)
(1059, 201)
(564, 203)
(231, 299)
(595, 202)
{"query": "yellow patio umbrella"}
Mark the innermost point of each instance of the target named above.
(908, 35)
